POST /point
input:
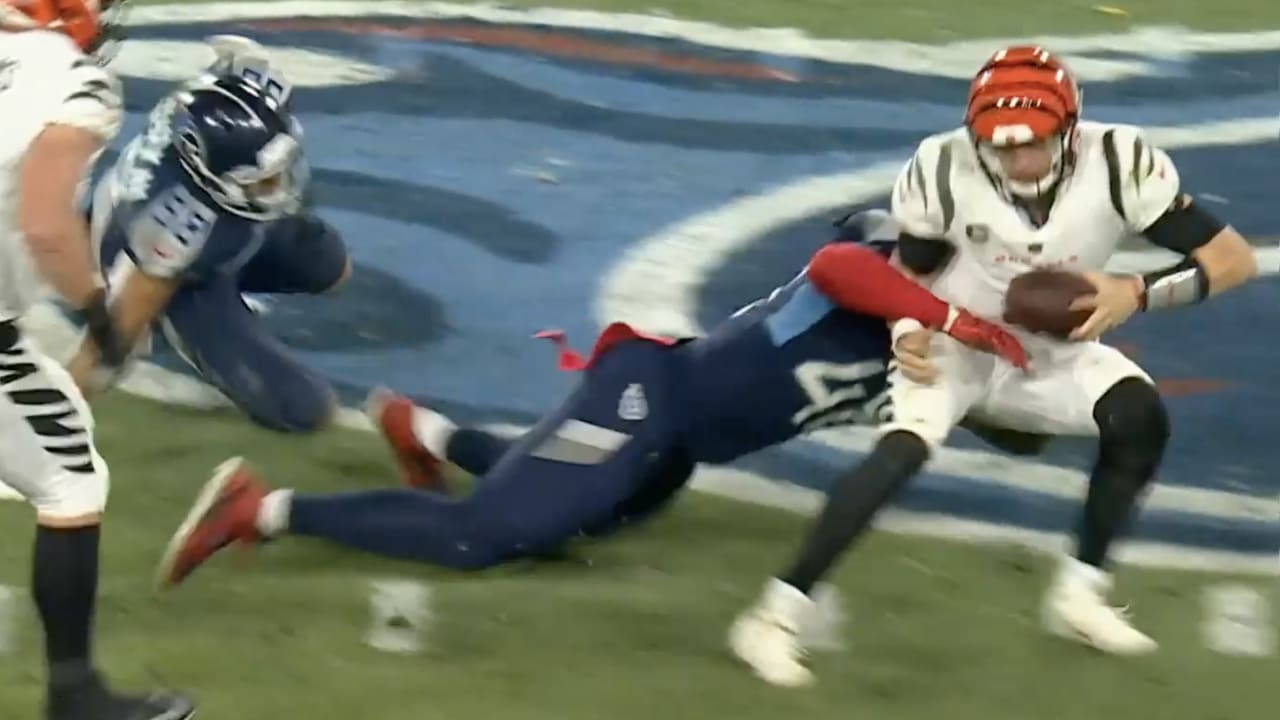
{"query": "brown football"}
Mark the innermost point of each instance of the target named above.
(1040, 301)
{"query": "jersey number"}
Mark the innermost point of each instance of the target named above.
(832, 388)
(183, 217)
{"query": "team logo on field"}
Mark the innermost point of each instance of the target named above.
(495, 180)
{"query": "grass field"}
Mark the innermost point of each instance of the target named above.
(935, 20)
(633, 629)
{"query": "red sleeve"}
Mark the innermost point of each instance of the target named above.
(859, 280)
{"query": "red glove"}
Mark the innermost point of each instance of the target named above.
(985, 336)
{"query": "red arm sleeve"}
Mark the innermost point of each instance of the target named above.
(859, 280)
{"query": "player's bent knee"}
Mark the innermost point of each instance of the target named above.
(1133, 422)
(71, 499)
(303, 406)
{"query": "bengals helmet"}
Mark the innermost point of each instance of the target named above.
(1024, 95)
(88, 22)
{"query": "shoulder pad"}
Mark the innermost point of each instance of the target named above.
(91, 97)
(923, 203)
(1143, 181)
(867, 226)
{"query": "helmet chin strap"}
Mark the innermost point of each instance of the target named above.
(1029, 189)
(1034, 189)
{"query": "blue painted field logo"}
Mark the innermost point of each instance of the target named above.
(500, 171)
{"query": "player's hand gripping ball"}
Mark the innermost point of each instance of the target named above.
(1040, 301)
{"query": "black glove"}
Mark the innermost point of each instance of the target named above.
(102, 330)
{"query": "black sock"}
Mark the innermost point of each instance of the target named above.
(475, 451)
(1114, 489)
(1133, 429)
(65, 586)
(853, 502)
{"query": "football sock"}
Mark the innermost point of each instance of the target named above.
(273, 515)
(433, 431)
(1108, 507)
(1133, 430)
(65, 584)
(852, 504)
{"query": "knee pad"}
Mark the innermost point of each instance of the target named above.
(1132, 419)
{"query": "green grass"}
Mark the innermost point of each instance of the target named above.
(631, 629)
(940, 20)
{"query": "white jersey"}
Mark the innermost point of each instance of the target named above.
(44, 80)
(1120, 186)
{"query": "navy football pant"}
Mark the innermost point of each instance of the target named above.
(476, 451)
(210, 325)
(583, 470)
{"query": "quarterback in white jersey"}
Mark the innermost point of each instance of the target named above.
(1024, 185)
(59, 108)
(1027, 185)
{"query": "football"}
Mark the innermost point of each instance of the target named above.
(1040, 301)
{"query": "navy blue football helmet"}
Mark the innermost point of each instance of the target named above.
(239, 143)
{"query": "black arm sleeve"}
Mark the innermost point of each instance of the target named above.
(923, 256)
(1184, 227)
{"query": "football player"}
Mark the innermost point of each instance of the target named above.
(59, 109)
(813, 354)
(204, 205)
(1024, 184)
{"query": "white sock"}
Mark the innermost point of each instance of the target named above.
(273, 515)
(433, 430)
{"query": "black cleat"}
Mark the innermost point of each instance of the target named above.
(94, 702)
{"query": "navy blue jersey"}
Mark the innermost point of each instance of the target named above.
(148, 208)
(782, 366)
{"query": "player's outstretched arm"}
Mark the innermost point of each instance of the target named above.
(138, 302)
(857, 279)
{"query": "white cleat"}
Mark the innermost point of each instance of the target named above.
(766, 636)
(1076, 608)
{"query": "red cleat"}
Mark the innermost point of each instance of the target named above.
(224, 514)
(392, 414)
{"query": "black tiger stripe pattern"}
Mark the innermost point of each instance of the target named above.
(48, 411)
(92, 83)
